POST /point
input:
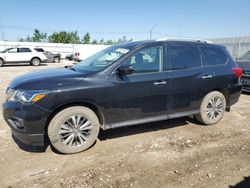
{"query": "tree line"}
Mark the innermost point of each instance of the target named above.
(69, 38)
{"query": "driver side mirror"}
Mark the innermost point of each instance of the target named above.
(125, 70)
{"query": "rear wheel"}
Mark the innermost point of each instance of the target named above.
(212, 108)
(1, 62)
(56, 60)
(73, 130)
(35, 61)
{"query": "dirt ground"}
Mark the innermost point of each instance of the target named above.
(174, 153)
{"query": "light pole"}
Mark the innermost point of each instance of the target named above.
(151, 30)
(180, 29)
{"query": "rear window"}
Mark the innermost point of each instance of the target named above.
(39, 49)
(214, 56)
(24, 50)
(184, 56)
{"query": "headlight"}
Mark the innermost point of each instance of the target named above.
(25, 96)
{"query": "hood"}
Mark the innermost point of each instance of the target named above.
(244, 64)
(49, 79)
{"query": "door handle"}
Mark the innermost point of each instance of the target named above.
(207, 76)
(160, 83)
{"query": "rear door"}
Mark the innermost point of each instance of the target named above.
(25, 54)
(217, 67)
(185, 76)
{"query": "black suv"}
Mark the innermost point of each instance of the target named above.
(127, 84)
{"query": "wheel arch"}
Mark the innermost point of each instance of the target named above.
(2, 60)
(89, 105)
(226, 94)
(36, 57)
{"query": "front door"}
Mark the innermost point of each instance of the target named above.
(142, 94)
(12, 55)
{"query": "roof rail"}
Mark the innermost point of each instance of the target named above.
(185, 39)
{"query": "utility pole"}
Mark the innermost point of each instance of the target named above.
(151, 30)
(2, 31)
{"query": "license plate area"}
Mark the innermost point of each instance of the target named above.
(245, 82)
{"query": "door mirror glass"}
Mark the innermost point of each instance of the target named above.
(125, 70)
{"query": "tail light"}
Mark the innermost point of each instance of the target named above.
(238, 71)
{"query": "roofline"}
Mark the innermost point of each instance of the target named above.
(185, 40)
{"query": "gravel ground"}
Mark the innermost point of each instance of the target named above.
(174, 153)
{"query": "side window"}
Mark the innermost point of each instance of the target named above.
(24, 50)
(214, 56)
(13, 50)
(146, 60)
(184, 56)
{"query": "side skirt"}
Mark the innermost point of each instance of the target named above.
(150, 119)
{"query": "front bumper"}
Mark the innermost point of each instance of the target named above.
(27, 122)
(30, 139)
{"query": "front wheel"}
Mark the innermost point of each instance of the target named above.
(212, 108)
(35, 61)
(1, 62)
(73, 130)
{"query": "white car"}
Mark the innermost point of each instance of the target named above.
(21, 55)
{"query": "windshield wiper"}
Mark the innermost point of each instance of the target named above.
(70, 67)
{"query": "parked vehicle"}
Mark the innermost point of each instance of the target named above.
(244, 63)
(52, 58)
(126, 84)
(21, 55)
(69, 57)
(74, 57)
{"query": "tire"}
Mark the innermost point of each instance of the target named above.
(35, 61)
(73, 130)
(56, 60)
(1, 62)
(212, 108)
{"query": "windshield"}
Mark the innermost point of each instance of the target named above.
(7, 49)
(246, 56)
(102, 59)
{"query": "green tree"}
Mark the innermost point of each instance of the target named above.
(109, 42)
(36, 37)
(94, 42)
(65, 37)
(86, 38)
(101, 41)
(123, 39)
(39, 36)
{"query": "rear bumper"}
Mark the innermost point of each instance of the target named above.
(234, 94)
(44, 60)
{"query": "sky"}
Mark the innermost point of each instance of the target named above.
(113, 19)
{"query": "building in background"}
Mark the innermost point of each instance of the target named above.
(237, 46)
